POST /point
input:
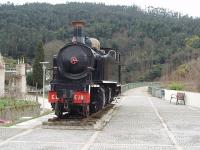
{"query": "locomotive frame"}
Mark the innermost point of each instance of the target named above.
(86, 78)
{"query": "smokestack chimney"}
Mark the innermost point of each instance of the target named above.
(78, 32)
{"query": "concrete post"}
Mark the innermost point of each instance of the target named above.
(21, 78)
(2, 76)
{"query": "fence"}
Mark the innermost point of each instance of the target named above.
(12, 93)
(129, 86)
(156, 91)
(32, 94)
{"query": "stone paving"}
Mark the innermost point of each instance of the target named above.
(141, 122)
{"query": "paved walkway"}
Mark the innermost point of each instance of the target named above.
(140, 123)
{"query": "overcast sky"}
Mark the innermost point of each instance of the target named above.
(190, 7)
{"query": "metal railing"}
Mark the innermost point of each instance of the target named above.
(156, 91)
(129, 86)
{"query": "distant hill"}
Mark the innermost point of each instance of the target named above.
(152, 42)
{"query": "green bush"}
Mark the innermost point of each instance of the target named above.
(176, 86)
(193, 41)
(7, 102)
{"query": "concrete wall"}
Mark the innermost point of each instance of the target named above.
(13, 113)
(2, 82)
(2, 76)
(191, 98)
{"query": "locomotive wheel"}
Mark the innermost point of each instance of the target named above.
(93, 107)
(53, 106)
(100, 102)
(109, 96)
(86, 111)
(59, 109)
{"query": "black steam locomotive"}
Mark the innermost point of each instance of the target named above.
(86, 77)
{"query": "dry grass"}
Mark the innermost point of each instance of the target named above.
(190, 78)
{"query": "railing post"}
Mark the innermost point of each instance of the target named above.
(36, 92)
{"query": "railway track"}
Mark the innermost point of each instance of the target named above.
(96, 121)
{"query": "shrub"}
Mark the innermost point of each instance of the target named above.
(7, 102)
(193, 41)
(176, 86)
(182, 70)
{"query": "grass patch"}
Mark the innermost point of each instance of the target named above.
(8, 102)
(176, 86)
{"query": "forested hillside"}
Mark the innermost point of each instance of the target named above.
(151, 42)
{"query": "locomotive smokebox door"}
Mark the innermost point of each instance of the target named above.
(74, 61)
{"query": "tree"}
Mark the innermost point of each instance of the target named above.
(29, 78)
(144, 38)
(193, 41)
(37, 67)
